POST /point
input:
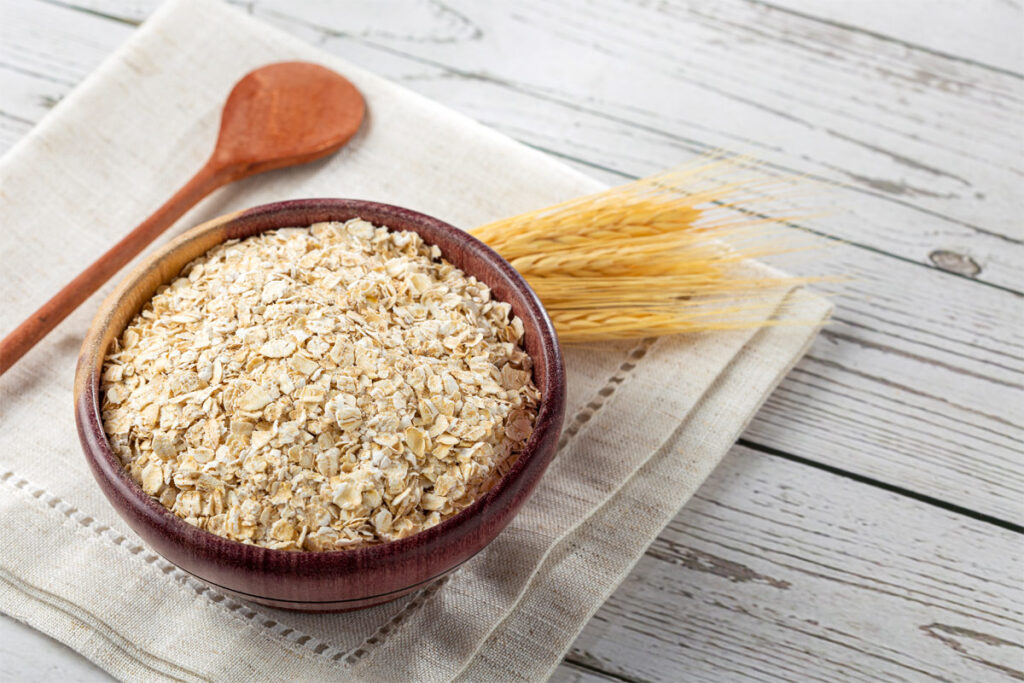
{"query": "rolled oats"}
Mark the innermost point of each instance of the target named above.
(319, 389)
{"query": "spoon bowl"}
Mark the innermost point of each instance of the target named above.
(286, 114)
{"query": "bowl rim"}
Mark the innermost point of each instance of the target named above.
(154, 514)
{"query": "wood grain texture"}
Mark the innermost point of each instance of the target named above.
(910, 108)
(879, 381)
(918, 146)
(45, 51)
(989, 39)
(776, 571)
(919, 384)
(923, 138)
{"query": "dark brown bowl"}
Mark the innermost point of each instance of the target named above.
(336, 580)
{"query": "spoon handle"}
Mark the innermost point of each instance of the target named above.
(26, 335)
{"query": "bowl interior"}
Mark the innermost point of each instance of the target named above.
(461, 249)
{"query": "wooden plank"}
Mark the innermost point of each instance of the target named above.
(45, 51)
(992, 37)
(926, 153)
(919, 233)
(904, 130)
(919, 382)
(12, 129)
(28, 97)
(778, 571)
(873, 397)
(925, 147)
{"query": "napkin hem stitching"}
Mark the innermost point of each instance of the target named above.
(392, 624)
(630, 360)
(226, 604)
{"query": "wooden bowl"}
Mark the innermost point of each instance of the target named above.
(335, 580)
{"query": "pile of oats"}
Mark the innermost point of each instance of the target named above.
(319, 389)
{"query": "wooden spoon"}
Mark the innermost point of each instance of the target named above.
(278, 115)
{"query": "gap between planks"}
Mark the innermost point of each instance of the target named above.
(892, 488)
(844, 24)
(776, 571)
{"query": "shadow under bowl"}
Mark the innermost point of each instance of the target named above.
(335, 580)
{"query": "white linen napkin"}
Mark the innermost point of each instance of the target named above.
(646, 422)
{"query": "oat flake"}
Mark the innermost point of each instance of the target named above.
(319, 389)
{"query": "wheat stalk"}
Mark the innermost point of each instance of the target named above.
(658, 256)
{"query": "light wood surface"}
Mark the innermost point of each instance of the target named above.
(869, 525)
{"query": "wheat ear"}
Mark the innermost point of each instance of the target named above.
(661, 255)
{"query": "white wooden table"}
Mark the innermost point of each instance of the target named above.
(868, 524)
